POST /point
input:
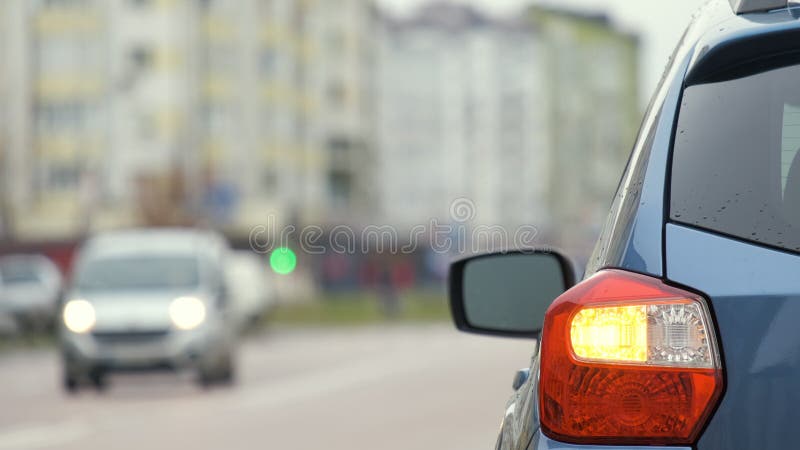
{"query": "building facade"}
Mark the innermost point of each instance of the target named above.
(128, 112)
(249, 112)
(54, 80)
(592, 112)
(459, 118)
(529, 121)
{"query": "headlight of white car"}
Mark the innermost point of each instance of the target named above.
(187, 312)
(79, 316)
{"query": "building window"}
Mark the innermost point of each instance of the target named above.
(64, 4)
(266, 6)
(215, 119)
(337, 41)
(220, 58)
(266, 61)
(60, 117)
(62, 176)
(141, 57)
(146, 125)
(338, 147)
(337, 92)
(340, 186)
(67, 56)
(269, 180)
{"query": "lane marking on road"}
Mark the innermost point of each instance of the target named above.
(42, 435)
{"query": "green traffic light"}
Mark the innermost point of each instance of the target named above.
(283, 260)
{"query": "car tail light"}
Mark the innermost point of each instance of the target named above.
(627, 359)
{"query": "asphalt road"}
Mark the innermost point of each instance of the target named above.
(398, 387)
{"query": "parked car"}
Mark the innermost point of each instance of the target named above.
(148, 299)
(29, 289)
(251, 291)
(683, 331)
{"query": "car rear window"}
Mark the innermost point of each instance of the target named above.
(18, 273)
(735, 167)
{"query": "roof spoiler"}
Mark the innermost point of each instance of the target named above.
(749, 6)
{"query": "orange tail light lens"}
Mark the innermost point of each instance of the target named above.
(627, 359)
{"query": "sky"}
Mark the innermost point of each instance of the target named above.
(660, 23)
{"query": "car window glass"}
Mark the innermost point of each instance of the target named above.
(735, 165)
(138, 272)
(790, 141)
(12, 273)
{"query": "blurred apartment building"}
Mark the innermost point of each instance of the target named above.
(531, 120)
(122, 112)
(459, 117)
(592, 113)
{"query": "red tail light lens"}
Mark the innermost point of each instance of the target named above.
(627, 359)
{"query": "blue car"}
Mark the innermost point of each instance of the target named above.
(684, 331)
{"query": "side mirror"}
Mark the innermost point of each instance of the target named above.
(507, 294)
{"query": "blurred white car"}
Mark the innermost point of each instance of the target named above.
(29, 290)
(251, 292)
(148, 299)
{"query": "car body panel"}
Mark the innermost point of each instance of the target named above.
(140, 350)
(521, 418)
(755, 295)
(30, 299)
(252, 291)
(132, 311)
(726, 29)
(542, 442)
